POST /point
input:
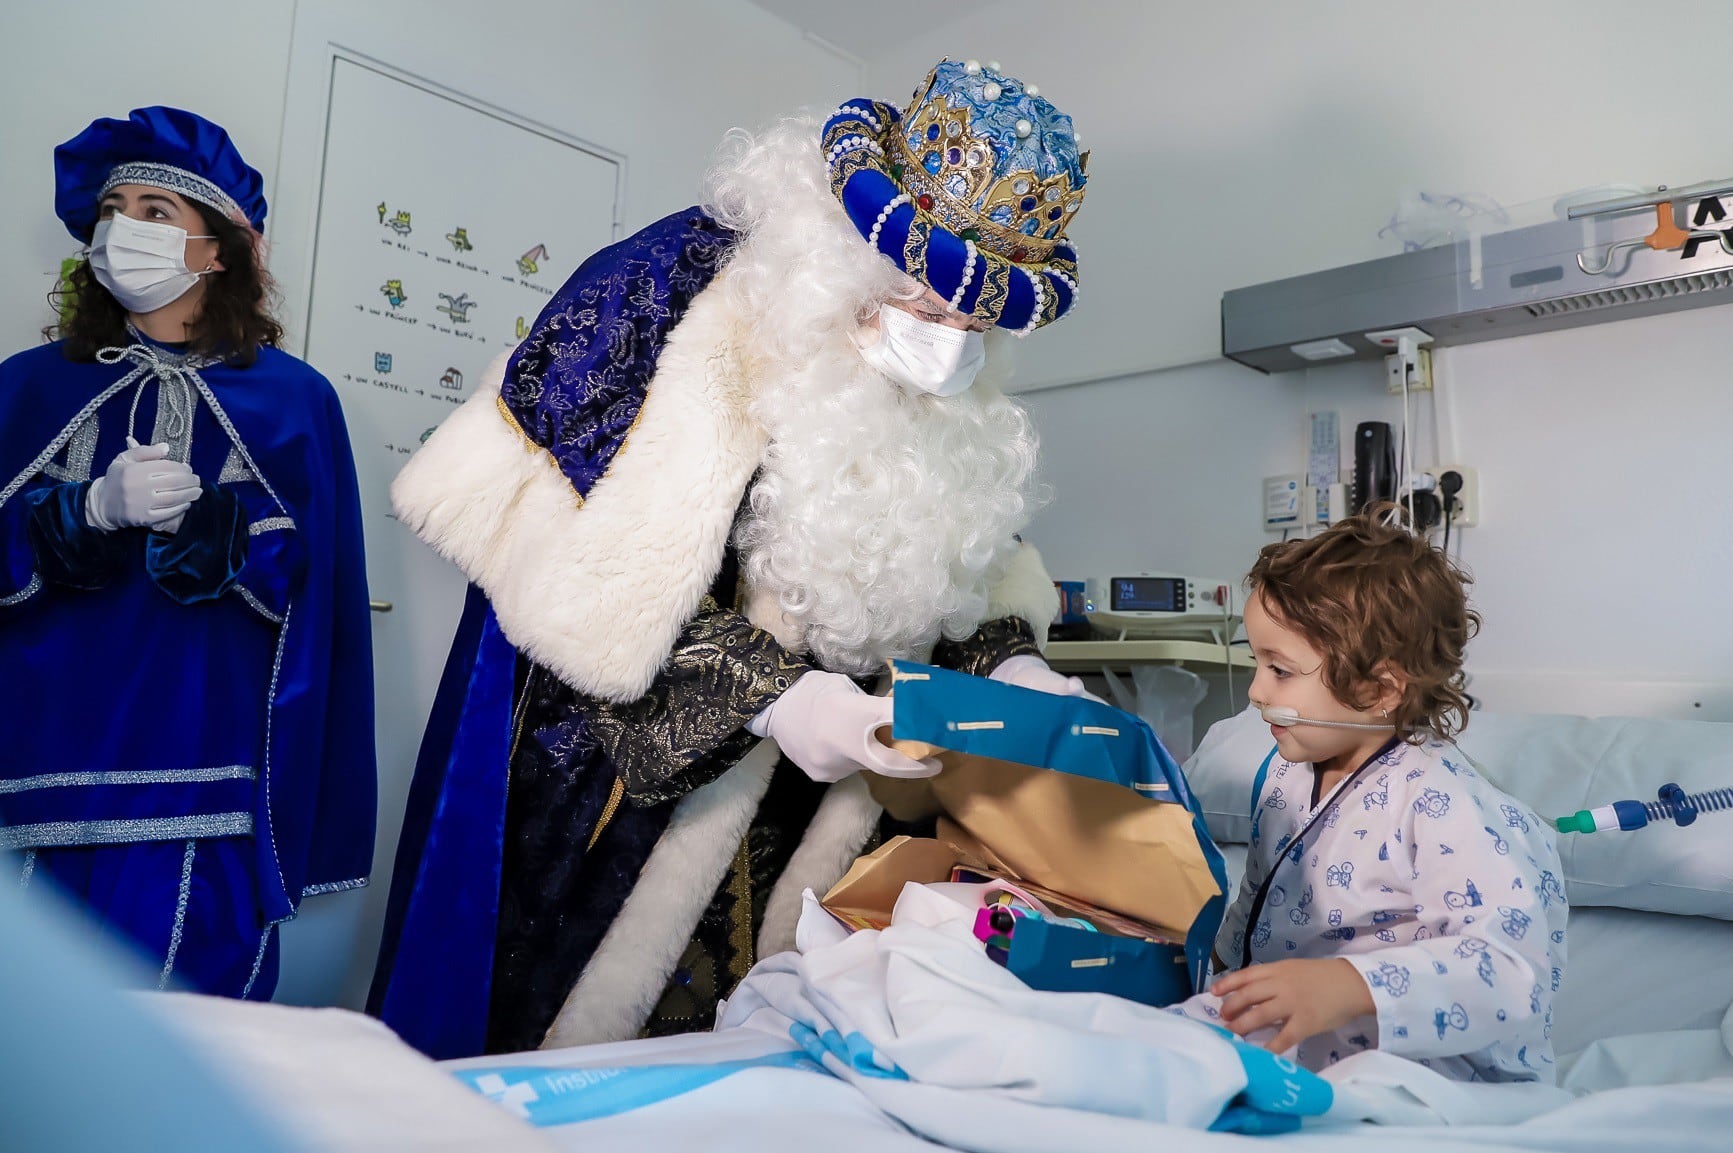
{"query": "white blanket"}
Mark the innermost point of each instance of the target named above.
(925, 1032)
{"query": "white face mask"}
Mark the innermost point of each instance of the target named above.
(925, 355)
(143, 263)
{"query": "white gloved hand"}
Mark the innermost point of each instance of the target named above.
(825, 724)
(142, 487)
(1031, 672)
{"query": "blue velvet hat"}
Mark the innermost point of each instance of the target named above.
(970, 192)
(161, 147)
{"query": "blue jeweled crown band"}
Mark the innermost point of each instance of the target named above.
(970, 193)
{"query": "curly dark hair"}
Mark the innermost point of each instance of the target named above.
(1368, 595)
(234, 319)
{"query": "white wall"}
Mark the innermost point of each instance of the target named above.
(1240, 141)
(1605, 541)
(1243, 140)
(659, 82)
(64, 65)
(1149, 472)
(1603, 549)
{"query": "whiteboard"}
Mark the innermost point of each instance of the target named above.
(443, 230)
(443, 226)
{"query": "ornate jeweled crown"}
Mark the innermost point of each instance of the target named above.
(971, 192)
(994, 156)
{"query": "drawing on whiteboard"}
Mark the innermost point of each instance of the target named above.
(452, 379)
(460, 240)
(521, 330)
(530, 261)
(399, 223)
(382, 212)
(456, 307)
(393, 290)
(382, 362)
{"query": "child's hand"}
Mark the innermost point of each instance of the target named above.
(1305, 997)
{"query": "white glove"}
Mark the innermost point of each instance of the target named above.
(1031, 672)
(142, 487)
(825, 724)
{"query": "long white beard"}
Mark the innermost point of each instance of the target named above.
(880, 519)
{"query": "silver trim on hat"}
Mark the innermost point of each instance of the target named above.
(188, 184)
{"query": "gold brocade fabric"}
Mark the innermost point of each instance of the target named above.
(992, 644)
(689, 728)
(723, 945)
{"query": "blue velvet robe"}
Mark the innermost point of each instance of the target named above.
(575, 387)
(534, 807)
(191, 748)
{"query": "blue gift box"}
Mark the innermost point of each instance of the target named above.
(1077, 801)
(1063, 959)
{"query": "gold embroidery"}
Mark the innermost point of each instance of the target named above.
(505, 413)
(740, 915)
(846, 166)
(683, 731)
(915, 249)
(615, 796)
(1049, 300)
(995, 287)
(1065, 262)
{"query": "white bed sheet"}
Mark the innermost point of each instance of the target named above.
(785, 1111)
(1645, 1009)
(340, 1082)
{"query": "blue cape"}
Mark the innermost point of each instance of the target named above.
(574, 387)
(151, 714)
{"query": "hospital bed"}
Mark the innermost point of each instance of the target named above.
(1643, 1022)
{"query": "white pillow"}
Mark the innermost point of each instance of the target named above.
(1560, 764)
(1557, 765)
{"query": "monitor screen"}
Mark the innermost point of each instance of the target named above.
(1148, 594)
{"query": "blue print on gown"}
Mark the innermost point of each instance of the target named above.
(1432, 803)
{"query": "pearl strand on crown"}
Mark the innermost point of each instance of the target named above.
(865, 114)
(884, 215)
(1040, 288)
(968, 275)
(852, 144)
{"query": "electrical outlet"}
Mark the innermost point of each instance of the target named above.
(1466, 513)
(1418, 366)
(1324, 505)
(1409, 358)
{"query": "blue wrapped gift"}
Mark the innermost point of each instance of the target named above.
(1073, 800)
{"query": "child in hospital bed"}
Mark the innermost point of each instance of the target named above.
(1393, 899)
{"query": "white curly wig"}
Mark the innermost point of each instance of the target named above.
(880, 518)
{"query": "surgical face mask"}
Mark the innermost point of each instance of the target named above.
(925, 355)
(143, 263)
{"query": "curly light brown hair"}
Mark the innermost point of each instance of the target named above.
(1371, 596)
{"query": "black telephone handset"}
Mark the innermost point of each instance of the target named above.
(1374, 465)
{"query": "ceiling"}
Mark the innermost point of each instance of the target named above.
(867, 31)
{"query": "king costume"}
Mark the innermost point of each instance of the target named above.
(681, 493)
(188, 715)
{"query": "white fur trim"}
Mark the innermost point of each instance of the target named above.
(839, 830)
(1026, 591)
(597, 590)
(630, 968)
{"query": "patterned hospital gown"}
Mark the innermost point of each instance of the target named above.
(1445, 893)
